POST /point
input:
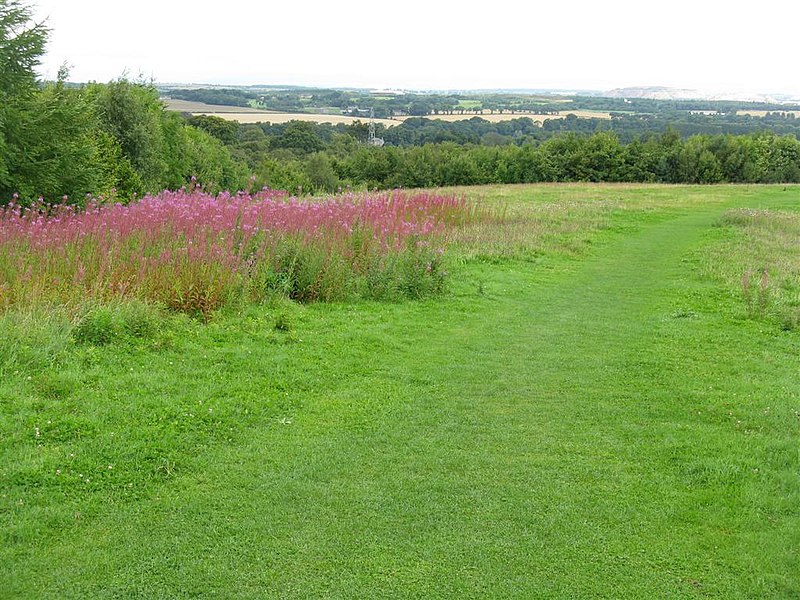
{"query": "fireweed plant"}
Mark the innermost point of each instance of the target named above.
(194, 252)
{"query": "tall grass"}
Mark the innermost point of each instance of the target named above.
(760, 259)
(195, 252)
(32, 340)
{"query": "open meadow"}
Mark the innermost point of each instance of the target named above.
(556, 390)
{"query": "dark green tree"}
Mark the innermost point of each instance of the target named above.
(21, 47)
(320, 172)
(225, 131)
(419, 108)
(58, 148)
(132, 114)
(300, 137)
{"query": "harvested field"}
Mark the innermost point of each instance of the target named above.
(763, 113)
(276, 117)
(252, 115)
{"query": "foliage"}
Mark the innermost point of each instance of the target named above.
(112, 141)
(225, 131)
(21, 47)
(477, 159)
(57, 148)
(299, 136)
(321, 174)
(762, 158)
(162, 149)
(225, 97)
(132, 114)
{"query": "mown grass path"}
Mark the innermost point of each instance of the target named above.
(608, 430)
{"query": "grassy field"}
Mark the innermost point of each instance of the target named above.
(599, 407)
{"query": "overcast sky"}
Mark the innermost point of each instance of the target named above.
(697, 44)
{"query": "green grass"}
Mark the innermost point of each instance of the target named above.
(469, 104)
(589, 412)
(766, 270)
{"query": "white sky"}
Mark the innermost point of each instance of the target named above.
(584, 44)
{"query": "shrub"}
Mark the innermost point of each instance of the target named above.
(131, 319)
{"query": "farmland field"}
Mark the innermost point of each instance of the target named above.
(276, 117)
(252, 115)
(599, 405)
(203, 108)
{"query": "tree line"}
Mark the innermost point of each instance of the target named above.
(662, 158)
(321, 158)
(115, 140)
(476, 130)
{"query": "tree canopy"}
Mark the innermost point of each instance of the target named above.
(114, 140)
(21, 47)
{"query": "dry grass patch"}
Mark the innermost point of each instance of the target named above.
(526, 231)
(253, 115)
(278, 118)
(527, 221)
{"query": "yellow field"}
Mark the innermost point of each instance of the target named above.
(276, 118)
(763, 113)
(253, 115)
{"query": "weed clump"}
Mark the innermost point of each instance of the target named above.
(31, 342)
(756, 296)
(129, 320)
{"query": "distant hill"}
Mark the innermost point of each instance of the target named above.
(654, 93)
(667, 93)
